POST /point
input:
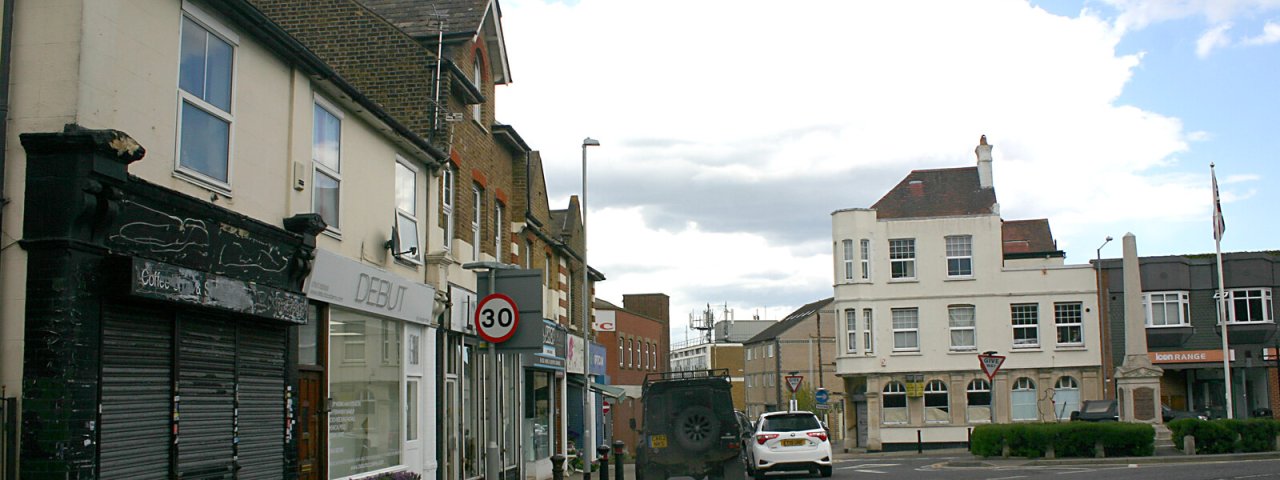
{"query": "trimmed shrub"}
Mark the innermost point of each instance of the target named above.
(1072, 439)
(1227, 436)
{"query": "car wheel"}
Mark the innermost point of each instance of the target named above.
(825, 471)
(697, 428)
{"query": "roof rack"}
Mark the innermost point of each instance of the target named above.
(684, 375)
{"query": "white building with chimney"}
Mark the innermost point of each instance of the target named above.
(931, 276)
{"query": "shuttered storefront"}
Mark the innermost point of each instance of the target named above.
(229, 402)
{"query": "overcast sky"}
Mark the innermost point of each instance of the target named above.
(731, 129)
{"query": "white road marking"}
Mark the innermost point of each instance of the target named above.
(870, 465)
(870, 471)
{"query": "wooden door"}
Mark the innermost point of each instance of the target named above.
(311, 433)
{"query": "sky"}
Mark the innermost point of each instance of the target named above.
(730, 130)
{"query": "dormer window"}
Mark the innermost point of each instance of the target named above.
(477, 77)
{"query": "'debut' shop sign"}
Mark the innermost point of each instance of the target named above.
(341, 281)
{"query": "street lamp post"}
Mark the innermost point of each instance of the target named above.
(588, 415)
(1104, 323)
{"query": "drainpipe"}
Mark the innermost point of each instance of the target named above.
(6, 54)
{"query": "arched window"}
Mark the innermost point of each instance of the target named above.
(1023, 400)
(644, 355)
(978, 397)
(631, 359)
(621, 353)
(894, 403)
(937, 407)
(1066, 397)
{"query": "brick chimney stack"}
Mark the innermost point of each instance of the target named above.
(984, 162)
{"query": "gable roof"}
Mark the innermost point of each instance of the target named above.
(1028, 238)
(463, 20)
(791, 320)
(940, 192)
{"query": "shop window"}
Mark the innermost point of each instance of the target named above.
(894, 403)
(365, 421)
(1023, 400)
(978, 399)
(537, 415)
(937, 407)
(1066, 397)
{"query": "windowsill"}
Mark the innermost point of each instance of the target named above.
(906, 353)
(1071, 348)
(1034, 348)
(960, 279)
(199, 181)
(333, 233)
(1262, 322)
(1158, 327)
(904, 280)
(970, 351)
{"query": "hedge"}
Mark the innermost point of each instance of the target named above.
(1227, 436)
(1069, 439)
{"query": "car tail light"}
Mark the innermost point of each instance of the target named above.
(764, 437)
(821, 436)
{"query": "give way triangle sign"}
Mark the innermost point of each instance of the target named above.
(793, 382)
(990, 364)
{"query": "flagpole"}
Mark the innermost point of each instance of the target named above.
(1218, 227)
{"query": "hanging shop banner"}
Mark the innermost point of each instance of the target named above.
(574, 358)
(599, 357)
(342, 281)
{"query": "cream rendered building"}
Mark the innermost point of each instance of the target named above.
(931, 276)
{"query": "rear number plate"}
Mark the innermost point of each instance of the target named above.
(793, 442)
(658, 441)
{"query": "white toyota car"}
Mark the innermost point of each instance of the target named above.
(789, 442)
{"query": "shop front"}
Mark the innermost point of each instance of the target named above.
(1194, 380)
(379, 389)
(543, 424)
(157, 324)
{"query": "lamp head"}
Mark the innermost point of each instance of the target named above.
(1109, 238)
(590, 142)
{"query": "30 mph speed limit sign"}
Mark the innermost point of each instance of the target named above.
(496, 318)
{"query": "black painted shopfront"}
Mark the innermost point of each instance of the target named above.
(157, 324)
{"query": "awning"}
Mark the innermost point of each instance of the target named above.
(610, 391)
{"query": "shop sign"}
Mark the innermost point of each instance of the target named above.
(540, 360)
(605, 321)
(162, 281)
(1189, 356)
(599, 359)
(574, 359)
(345, 282)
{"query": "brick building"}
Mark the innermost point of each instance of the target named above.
(637, 339)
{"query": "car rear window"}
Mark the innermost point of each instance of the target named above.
(1097, 407)
(790, 423)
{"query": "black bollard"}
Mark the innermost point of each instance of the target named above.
(557, 467)
(919, 443)
(603, 450)
(617, 459)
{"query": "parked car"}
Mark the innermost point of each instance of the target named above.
(1170, 414)
(690, 427)
(745, 427)
(1096, 411)
(789, 441)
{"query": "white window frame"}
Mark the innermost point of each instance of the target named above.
(957, 323)
(498, 229)
(868, 333)
(476, 198)
(216, 28)
(1022, 389)
(477, 109)
(1065, 318)
(865, 260)
(318, 168)
(1245, 297)
(977, 385)
(907, 322)
(933, 390)
(769, 348)
(622, 353)
(410, 216)
(749, 352)
(959, 249)
(448, 192)
(847, 245)
(902, 259)
(894, 387)
(1179, 300)
(851, 329)
(1063, 390)
(1033, 325)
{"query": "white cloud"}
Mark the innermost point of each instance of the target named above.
(1213, 39)
(1138, 14)
(756, 97)
(1270, 35)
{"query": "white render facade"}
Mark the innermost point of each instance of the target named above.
(919, 297)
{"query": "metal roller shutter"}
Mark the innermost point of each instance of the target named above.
(206, 385)
(261, 366)
(137, 381)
